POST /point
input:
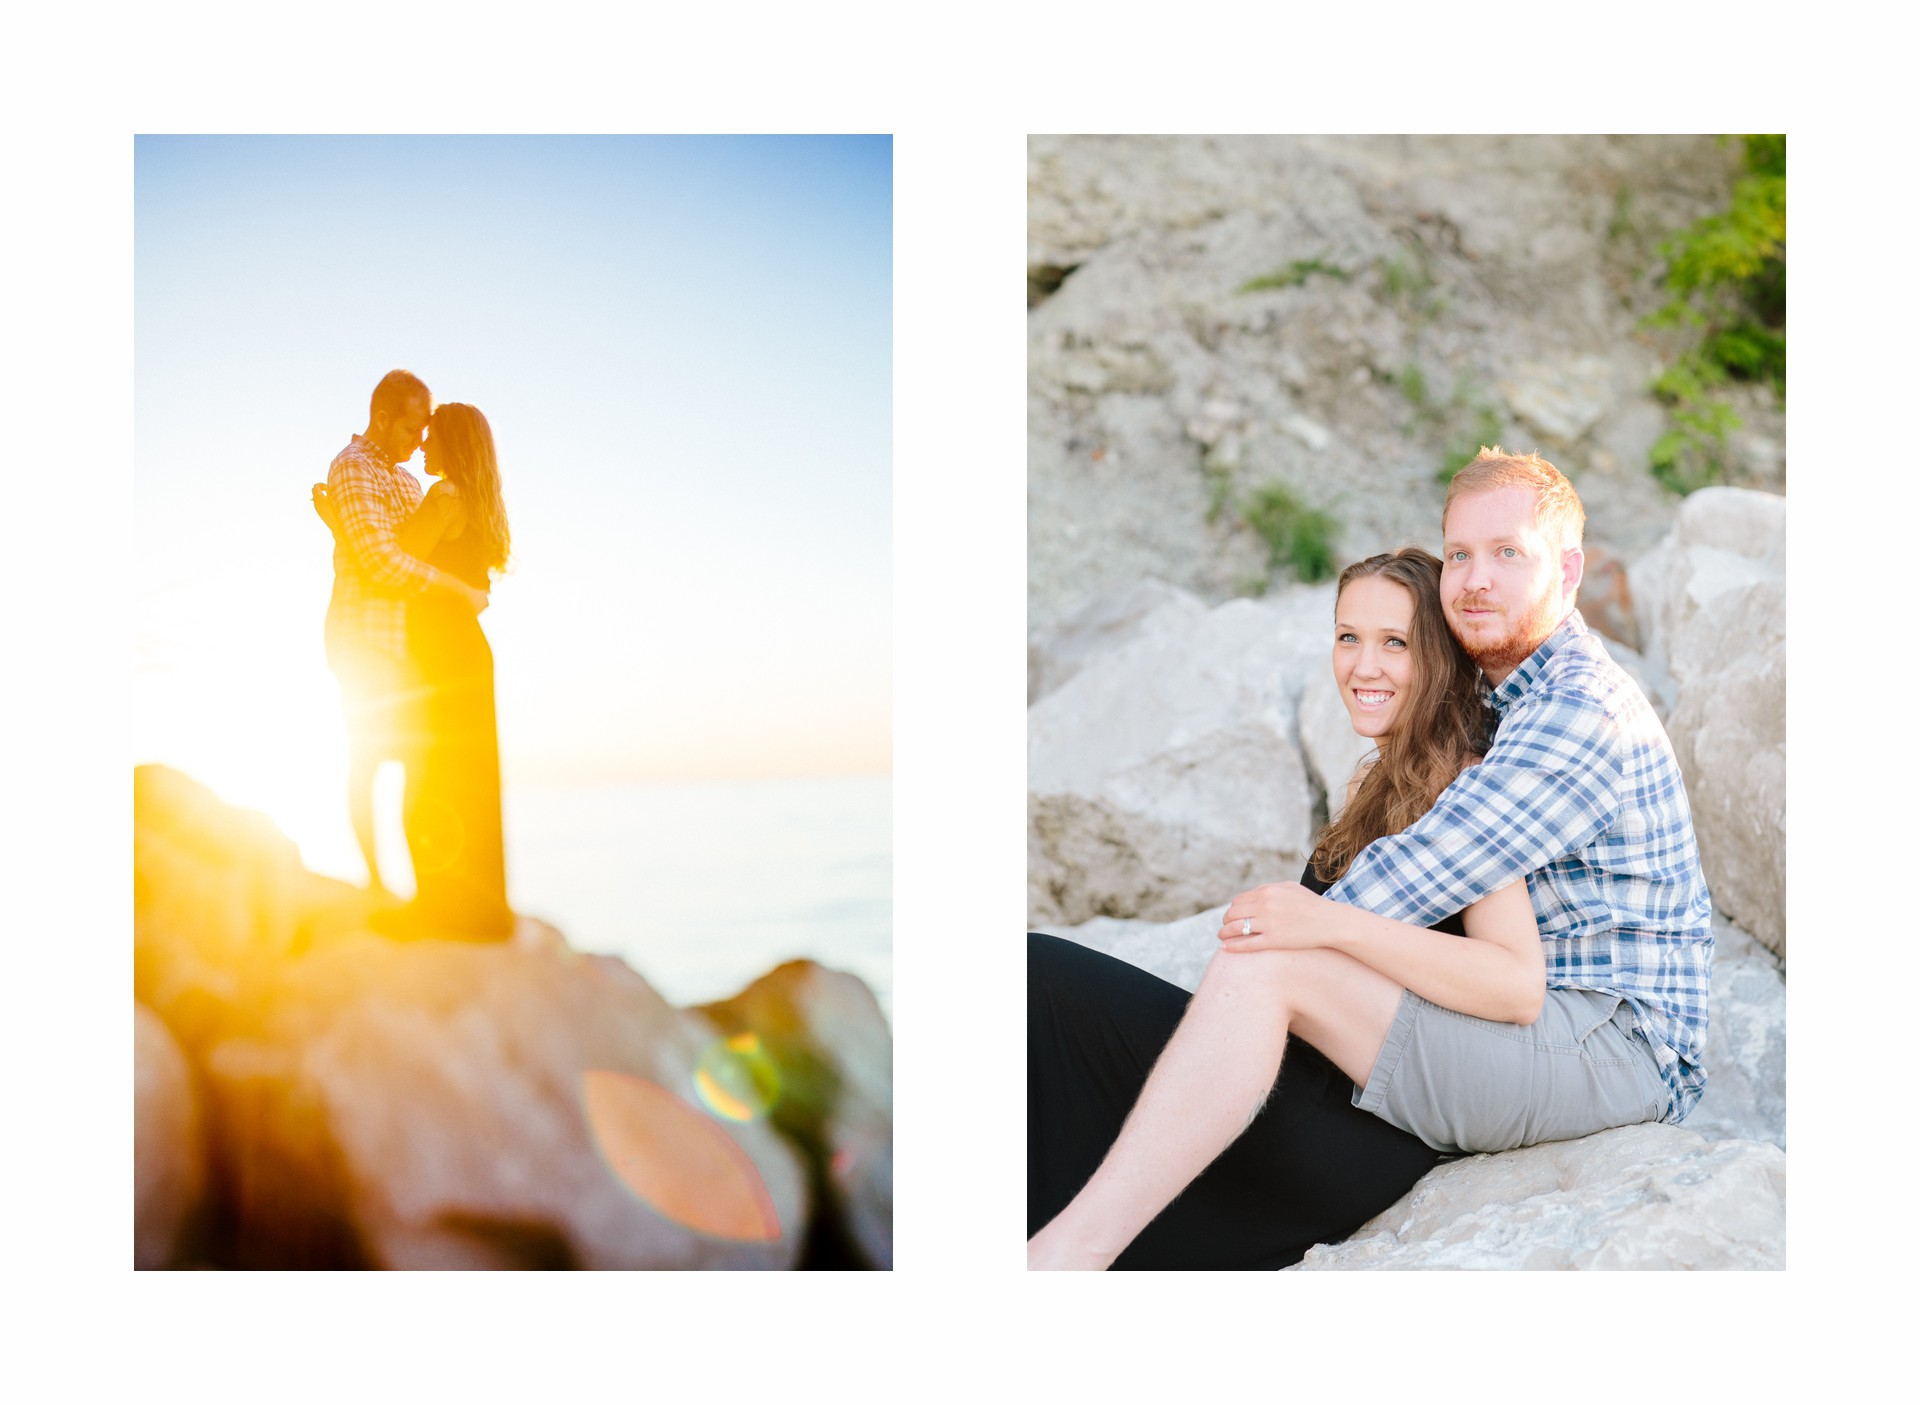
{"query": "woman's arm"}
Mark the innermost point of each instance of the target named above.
(439, 515)
(1498, 972)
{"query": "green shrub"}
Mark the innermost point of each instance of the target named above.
(1296, 535)
(1726, 281)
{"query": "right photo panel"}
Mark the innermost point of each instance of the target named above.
(1406, 702)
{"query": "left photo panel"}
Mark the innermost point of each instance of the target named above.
(511, 702)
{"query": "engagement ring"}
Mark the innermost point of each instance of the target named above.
(1246, 926)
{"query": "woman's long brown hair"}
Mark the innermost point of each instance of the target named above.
(1443, 726)
(467, 439)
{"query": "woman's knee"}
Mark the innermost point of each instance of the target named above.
(1251, 970)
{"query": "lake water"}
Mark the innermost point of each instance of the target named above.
(703, 886)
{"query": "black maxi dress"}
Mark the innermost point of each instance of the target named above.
(1310, 1169)
(460, 865)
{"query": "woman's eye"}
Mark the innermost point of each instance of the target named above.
(1399, 643)
(1343, 639)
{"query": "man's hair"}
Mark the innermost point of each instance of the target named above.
(1557, 511)
(396, 388)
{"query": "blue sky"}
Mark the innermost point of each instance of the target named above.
(683, 345)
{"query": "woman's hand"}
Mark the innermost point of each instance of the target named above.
(1272, 917)
(323, 504)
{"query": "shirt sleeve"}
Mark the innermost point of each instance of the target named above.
(367, 527)
(1546, 788)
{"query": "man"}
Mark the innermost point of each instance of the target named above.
(1580, 791)
(371, 495)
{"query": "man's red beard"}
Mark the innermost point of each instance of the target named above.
(1508, 651)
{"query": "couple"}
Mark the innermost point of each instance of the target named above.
(412, 573)
(1540, 827)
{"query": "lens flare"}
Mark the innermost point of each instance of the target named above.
(737, 1079)
(675, 1159)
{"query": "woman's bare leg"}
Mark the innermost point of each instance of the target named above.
(1209, 1082)
(362, 766)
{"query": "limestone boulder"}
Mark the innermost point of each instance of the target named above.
(169, 1150)
(1101, 623)
(1646, 1197)
(1177, 952)
(1714, 606)
(825, 1058)
(1167, 773)
(1746, 1097)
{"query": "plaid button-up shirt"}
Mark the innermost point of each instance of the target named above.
(1581, 793)
(372, 577)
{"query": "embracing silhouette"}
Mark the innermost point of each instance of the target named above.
(412, 571)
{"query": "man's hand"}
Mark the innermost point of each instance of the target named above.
(1272, 917)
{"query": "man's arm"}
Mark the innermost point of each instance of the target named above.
(370, 535)
(1546, 788)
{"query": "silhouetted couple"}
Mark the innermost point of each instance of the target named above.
(411, 574)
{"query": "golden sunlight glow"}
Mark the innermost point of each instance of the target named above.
(257, 720)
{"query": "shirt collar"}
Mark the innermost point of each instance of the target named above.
(373, 451)
(1522, 679)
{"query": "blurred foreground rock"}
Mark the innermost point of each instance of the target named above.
(827, 1042)
(169, 1153)
(437, 1104)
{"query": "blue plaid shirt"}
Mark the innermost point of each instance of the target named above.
(1581, 793)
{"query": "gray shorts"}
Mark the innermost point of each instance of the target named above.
(1462, 1084)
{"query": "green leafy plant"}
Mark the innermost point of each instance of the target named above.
(1296, 535)
(1726, 280)
(1293, 275)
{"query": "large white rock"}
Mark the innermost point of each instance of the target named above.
(1646, 1197)
(1167, 773)
(1103, 622)
(1746, 1095)
(1177, 952)
(1712, 601)
(169, 1155)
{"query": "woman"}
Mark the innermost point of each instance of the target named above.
(461, 528)
(1268, 1158)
